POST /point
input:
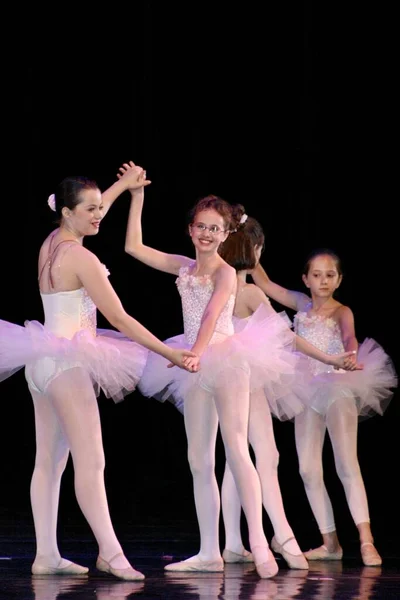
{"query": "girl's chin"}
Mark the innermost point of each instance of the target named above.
(92, 231)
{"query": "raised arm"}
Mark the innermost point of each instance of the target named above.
(170, 263)
(132, 178)
(288, 298)
(93, 277)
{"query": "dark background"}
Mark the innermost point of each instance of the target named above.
(287, 111)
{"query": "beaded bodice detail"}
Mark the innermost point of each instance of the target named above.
(195, 292)
(322, 332)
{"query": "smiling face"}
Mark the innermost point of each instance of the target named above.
(84, 218)
(208, 230)
(322, 277)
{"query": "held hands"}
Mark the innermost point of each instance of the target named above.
(192, 363)
(186, 359)
(133, 176)
(346, 361)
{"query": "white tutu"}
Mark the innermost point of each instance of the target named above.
(262, 350)
(371, 388)
(115, 363)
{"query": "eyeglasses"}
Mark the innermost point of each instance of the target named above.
(213, 229)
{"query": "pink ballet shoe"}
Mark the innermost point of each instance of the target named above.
(370, 555)
(209, 566)
(269, 568)
(322, 553)
(69, 569)
(233, 557)
(294, 561)
(128, 574)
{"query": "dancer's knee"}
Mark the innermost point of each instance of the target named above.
(347, 470)
(201, 465)
(89, 465)
(312, 475)
(268, 462)
(50, 465)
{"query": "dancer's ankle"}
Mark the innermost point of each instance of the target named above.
(117, 560)
(50, 559)
(261, 554)
(331, 541)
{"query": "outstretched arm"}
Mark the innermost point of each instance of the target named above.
(93, 277)
(288, 298)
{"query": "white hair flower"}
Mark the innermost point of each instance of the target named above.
(51, 201)
(243, 219)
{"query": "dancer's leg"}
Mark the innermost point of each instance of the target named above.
(262, 440)
(51, 458)
(342, 424)
(232, 511)
(233, 413)
(76, 406)
(310, 431)
(201, 424)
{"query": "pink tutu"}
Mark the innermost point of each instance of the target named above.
(371, 388)
(115, 363)
(261, 351)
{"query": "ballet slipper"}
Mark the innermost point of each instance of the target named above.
(189, 565)
(128, 574)
(268, 568)
(69, 569)
(294, 561)
(322, 553)
(233, 557)
(370, 555)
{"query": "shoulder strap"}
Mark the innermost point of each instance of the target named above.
(50, 259)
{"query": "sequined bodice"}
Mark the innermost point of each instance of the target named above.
(195, 292)
(322, 332)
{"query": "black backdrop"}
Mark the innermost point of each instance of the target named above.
(286, 112)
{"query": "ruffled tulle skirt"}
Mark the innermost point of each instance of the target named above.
(261, 353)
(114, 362)
(370, 388)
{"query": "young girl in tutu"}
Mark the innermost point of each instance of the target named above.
(336, 400)
(231, 364)
(242, 250)
(68, 362)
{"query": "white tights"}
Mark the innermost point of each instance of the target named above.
(67, 420)
(342, 423)
(202, 414)
(262, 439)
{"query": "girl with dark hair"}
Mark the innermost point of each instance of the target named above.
(336, 400)
(68, 361)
